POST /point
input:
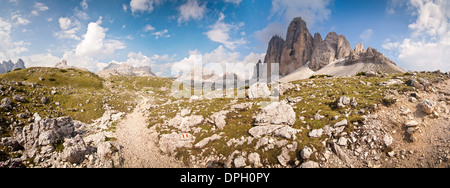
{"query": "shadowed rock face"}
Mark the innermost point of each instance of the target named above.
(334, 47)
(274, 51)
(298, 47)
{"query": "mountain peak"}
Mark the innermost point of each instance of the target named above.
(7, 66)
(300, 47)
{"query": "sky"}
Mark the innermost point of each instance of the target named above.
(169, 34)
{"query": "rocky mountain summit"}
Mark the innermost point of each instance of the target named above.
(7, 66)
(63, 65)
(125, 70)
(300, 51)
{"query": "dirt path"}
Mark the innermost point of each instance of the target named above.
(431, 149)
(138, 143)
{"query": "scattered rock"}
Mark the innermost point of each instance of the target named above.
(239, 162)
(372, 74)
(284, 157)
(218, 119)
(286, 132)
(343, 101)
(185, 112)
(316, 133)
(309, 164)
(255, 160)
(388, 140)
(44, 100)
(276, 114)
(258, 90)
(341, 154)
(427, 106)
(74, 150)
(391, 82)
(341, 123)
(317, 116)
(342, 141)
(259, 131)
(6, 104)
(242, 106)
(205, 141)
(19, 98)
(295, 99)
(169, 143)
(414, 83)
(306, 152)
(412, 123)
(185, 123)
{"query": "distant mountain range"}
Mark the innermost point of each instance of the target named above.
(125, 70)
(305, 55)
(7, 66)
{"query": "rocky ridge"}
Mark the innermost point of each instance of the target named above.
(7, 66)
(125, 70)
(301, 49)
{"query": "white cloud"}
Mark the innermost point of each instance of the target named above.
(148, 27)
(392, 5)
(283, 11)
(163, 58)
(18, 19)
(162, 33)
(39, 7)
(80, 14)
(187, 64)
(428, 46)
(220, 32)
(41, 60)
(125, 8)
(22, 21)
(84, 4)
(69, 29)
(8, 47)
(143, 5)
(82, 61)
(220, 56)
(366, 35)
(237, 2)
(137, 60)
(64, 23)
(95, 44)
(191, 10)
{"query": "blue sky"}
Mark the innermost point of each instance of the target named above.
(163, 33)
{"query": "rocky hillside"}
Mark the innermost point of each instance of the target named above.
(363, 121)
(72, 118)
(301, 50)
(54, 117)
